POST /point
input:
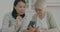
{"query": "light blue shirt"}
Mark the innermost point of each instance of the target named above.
(9, 20)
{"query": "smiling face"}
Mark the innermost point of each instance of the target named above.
(20, 8)
(40, 11)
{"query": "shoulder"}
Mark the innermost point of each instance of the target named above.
(34, 17)
(8, 15)
(50, 17)
(49, 13)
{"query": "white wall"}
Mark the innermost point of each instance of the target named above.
(7, 5)
(53, 0)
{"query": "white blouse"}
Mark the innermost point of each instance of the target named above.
(42, 23)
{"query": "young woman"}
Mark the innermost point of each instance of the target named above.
(16, 20)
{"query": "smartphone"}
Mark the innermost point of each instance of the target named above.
(32, 24)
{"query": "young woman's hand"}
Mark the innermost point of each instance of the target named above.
(18, 21)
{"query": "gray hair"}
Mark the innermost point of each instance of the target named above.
(41, 3)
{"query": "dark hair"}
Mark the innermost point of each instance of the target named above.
(14, 13)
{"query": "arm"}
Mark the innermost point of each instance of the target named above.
(5, 24)
(21, 24)
(53, 25)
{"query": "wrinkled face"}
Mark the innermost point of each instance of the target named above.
(39, 11)
(20, 8)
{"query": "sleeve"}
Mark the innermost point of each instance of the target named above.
(24, 24)
(53, 24)
(5, 24)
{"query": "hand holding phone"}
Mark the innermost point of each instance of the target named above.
(32, 24)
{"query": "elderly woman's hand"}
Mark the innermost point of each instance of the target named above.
(25, 30)
(45, 30)
(37, 29)
(31, 29)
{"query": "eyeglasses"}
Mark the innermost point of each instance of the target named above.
(38, 10)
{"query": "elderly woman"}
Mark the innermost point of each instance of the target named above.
(44, 19)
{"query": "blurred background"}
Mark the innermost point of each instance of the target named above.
(52, 5)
